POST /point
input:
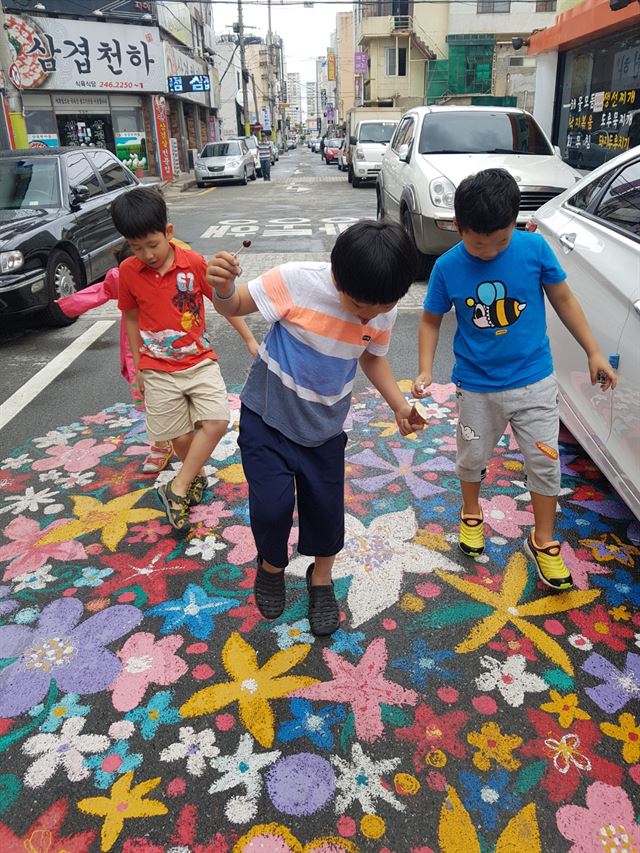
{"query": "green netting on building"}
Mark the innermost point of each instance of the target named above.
(466, 72)
(437, 80)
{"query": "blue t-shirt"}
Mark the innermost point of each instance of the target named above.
(501, 337)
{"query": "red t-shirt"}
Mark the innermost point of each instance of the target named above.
(170, 310)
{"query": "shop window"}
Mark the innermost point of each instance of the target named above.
(545, 5)
(113, 175)
(395, 62)
(620, 205)
(81, 174)
(486, 7)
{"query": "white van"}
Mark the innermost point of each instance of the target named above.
(368, 143)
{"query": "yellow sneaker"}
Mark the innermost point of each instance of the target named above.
(549, 563)
(471, 541)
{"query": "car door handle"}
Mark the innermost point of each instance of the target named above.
(568, 241)
(636, 305)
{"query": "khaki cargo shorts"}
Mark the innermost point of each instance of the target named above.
(175, 403)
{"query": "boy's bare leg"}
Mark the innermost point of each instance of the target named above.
(470, 498)
(194, 449)
(544, 512)
(323, 567)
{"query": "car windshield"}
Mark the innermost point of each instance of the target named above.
(334, 143)
(251, 143)
(469, 132)
(221, 149)
(29, 183)
(379, 131)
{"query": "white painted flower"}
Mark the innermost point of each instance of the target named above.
(37, 579)
(196, 747)
(361, 779)
(30, 500)
(376, 558)
(205, 548)
(120, 423)
(121, 730)
(13, 463)
(52, 438)
(510, 678)
(66, 749)
(72, 481)
(168, 474)
(579, 641)
(226, 447)
(243, 769)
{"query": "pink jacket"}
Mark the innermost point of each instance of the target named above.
(92, 297)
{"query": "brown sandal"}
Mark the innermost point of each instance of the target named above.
(178, 515)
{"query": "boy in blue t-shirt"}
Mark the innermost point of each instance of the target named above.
(496, 278)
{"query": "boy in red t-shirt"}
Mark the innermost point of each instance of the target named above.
(161, 296)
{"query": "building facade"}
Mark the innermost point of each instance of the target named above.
(293, 110)
(345, 80)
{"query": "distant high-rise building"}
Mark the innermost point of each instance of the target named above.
(312, 99)
(294, 110)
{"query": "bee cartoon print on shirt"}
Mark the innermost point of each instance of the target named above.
(493, 309)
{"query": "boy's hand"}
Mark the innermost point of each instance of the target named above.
(601, 372)
(222, 270)
(253, 346)
(402, 419)
(420, 385)
(140, 383)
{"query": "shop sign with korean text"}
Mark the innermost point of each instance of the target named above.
(178, 64)
(161, 134)
(52, 53)
(360, 62)
(331, 66)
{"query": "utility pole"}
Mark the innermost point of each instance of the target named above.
(13, 130)
(255, 98)
(272, 118)
(244, 73)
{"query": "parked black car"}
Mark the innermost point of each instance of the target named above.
(56, 232)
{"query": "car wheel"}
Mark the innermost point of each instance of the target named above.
(200, 184)
(244, 179)
(254, 177)
(64, 276)
(355, 182)
(349, 175)
(425, 262)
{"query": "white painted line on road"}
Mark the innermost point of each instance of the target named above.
(30, 390)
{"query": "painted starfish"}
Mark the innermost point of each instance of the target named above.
(363, 686)
(111, 519)
(252, 686)
(508, 608)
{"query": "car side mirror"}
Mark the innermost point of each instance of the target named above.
(403, 153)
(557, 151)
(79, 194)
(353, 140)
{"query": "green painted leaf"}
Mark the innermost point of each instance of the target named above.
(10, 787)
(394, 716)
(7, 662)
(559, 679)
(529, 776)
(462, 611)
(348, 731)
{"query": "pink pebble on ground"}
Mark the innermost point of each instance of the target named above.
(552, 626)
(202, 672)
(176, 787)
(449, 695)
(225, 722)
(428, 590)
(196, 648)
(484, 704)
(389, 624)
(346, 826)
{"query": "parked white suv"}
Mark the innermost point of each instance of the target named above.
(435, 148)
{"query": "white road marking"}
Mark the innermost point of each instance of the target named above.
(43, 378)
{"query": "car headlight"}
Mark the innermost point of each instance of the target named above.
(359, 154)
(11, 261)
(233, 163)
(442, 192)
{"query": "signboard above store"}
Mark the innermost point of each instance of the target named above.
(129, 9)
(180, 84)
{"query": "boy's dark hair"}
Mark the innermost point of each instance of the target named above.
(374, 262)
(139, 212)
(487, 201)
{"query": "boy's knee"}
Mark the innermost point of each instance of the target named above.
(214, 430)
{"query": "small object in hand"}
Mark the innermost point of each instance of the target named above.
(602, 377)
(418, 415)
(245, 245)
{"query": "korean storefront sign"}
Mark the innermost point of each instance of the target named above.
(50, 53)
(181, 84)
(179, 64)
(161, 133)
(129, 9)
(360, 62)
(331, 65)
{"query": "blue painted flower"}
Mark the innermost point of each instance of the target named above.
(92, 576)
(112, 763)
(312, 724)
(622, 587)
(345, 643)
(27, 615)
(157, 712)
(487, 795)
(585, 523)
(67, 706)
(195, 611)
(425, 663)
(290, 634)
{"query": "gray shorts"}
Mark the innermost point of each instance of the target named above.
(533, 414)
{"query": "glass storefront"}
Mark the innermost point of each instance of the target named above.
(598, 103)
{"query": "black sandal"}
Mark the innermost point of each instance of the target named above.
(324, 614)
(178, 516)
(269, 592)
(196, 489)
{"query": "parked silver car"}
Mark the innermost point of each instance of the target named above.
(230, 160)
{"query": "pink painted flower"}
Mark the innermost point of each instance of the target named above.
(581, 569)
(607, 823)
(442, 393)
(24, 552)
(245, 548)
(502, 515)
(81, 456)
(146, 661)
(209, 514)
(98, 418)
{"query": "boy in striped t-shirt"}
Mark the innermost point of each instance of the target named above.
(325, 319)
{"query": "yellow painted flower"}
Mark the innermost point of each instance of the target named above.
(111, 519)
(620, 614)
(435, 541)
(566, 707)
(411, 603)
(372, 826)
(457, 834)
(123, 803)
(492, 745)
(406, 784)
(436, 758)
(231, 474)
(508, 608)
(629, 733)
(252, 686)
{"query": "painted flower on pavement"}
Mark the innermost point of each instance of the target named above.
(581, 570)
(68, 706)
(60, 649)
(425, 663)
(26, 552)
(623, 587)
(157, 712)
(47, 827)
(627, 731)
(363, 686)
(598, 626)
(37, 579)
(510, 678)
(288, 635)
(196, 747)
(362, 780)
(501, 514)
(607, 824)
(609, 548)
(146, 661)
(494, 746)
(618, 686)
(487, 795)
(195, 611)
(376, 558)
(434, 736)
(242, 769)
(114, 762)
(311, 723)
(149, 571)
(565, 707)
(404, 469)
(66, 749)
(30, 501)
(74, 458)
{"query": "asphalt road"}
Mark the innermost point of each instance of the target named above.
(295, 216)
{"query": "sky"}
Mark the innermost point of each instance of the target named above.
(305, 32)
